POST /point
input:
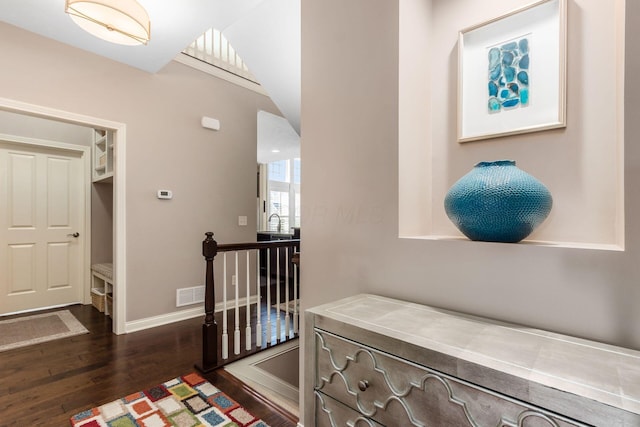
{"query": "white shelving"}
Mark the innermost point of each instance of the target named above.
(102, 175)
(102, 155)
(102, 287)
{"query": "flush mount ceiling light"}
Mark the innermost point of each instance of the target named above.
(117, 21)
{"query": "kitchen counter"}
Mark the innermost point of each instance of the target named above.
(273, 235)
(267, 236)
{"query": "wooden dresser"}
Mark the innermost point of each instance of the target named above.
(374, 361)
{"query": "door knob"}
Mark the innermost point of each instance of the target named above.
(76, 234)
(363, 385)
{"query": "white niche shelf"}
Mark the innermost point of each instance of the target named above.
(582, 164)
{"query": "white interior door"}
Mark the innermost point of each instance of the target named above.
(42, 202)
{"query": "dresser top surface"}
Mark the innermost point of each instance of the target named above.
(600, 372)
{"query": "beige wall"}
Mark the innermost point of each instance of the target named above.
(350, 125)
(211, 174)
(581, 164)
(101, 223)
(37, 128)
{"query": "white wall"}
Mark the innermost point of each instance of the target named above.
(212, 174)
(267, 38)
(350, 125)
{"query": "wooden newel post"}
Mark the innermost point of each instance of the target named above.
(209, 327)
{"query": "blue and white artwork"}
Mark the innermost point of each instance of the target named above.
(508, 76)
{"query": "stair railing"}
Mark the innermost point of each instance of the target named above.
(213, 48)
(282, 259)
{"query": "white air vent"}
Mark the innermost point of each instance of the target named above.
(187, 296)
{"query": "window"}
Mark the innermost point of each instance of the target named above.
(283, 190)
(278, 171)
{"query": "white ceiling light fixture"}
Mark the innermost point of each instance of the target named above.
(118, 21)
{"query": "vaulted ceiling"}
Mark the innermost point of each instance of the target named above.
(265, 33)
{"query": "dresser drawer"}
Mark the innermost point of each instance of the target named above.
(331, 413)
(395, 392)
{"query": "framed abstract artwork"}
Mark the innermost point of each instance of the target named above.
(512, 73)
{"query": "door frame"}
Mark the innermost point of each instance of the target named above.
(119, 193)
(85, 155)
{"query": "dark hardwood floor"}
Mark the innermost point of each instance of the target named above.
(45, 384)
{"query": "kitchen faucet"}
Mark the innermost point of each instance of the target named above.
(279, 221)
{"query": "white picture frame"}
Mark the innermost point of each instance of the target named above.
(539, 32)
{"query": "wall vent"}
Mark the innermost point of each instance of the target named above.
(188, 296)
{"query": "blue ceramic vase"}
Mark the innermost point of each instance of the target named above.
(497, 202)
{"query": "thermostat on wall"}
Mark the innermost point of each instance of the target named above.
(165, 194)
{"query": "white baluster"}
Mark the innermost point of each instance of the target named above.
(247, 331)
(225, 335)
(268, 290)
(236, 330)
(209, 44)
(259, 305)
(205, 44)
(202, 43)
(287, 324)
(278, 333)
(295, 298)
(216, 45)
(231, 59)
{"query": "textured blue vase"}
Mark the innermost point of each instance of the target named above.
(497, 202)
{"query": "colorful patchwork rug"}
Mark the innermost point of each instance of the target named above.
(187, 401)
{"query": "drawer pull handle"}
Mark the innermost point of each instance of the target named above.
(363, 385)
